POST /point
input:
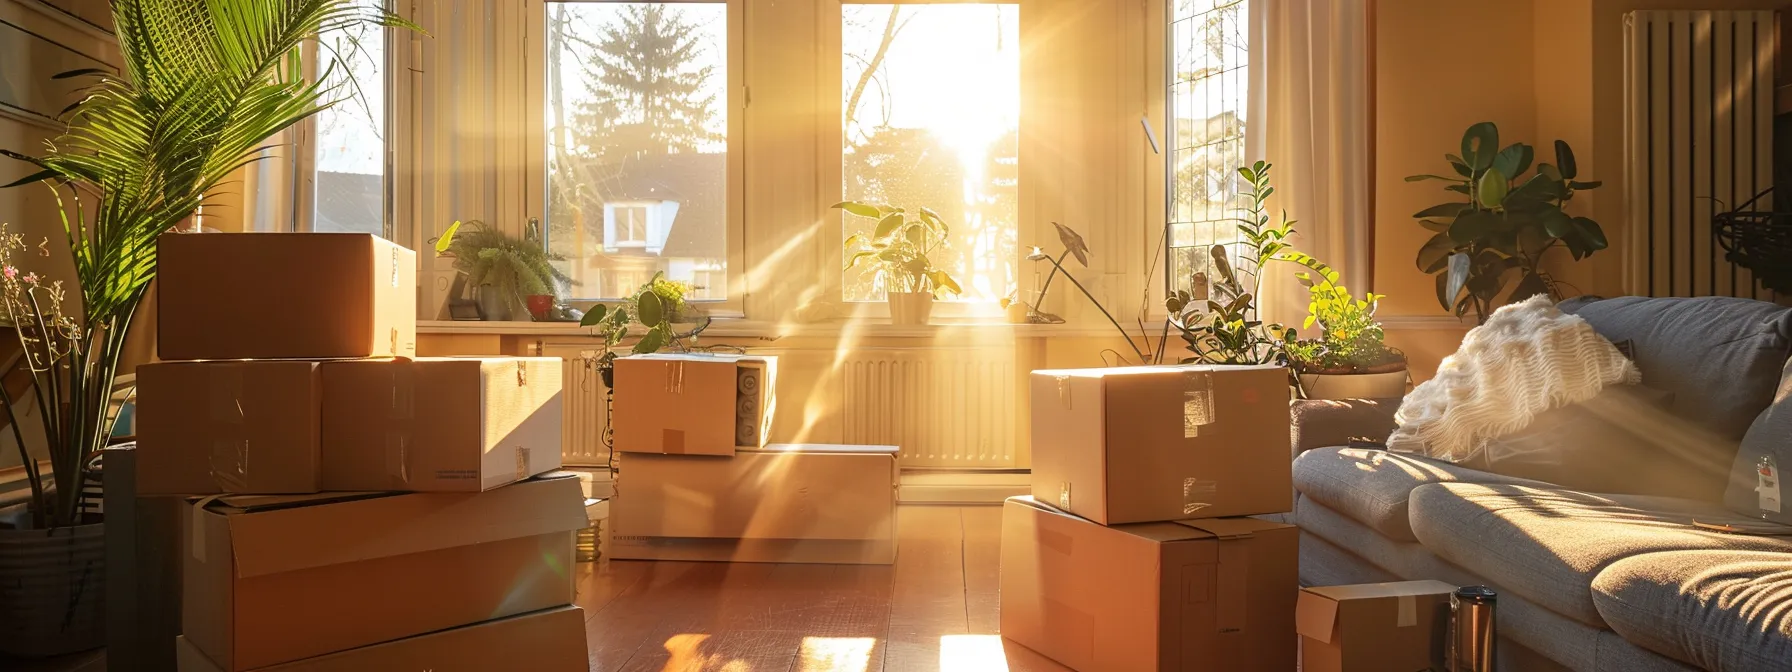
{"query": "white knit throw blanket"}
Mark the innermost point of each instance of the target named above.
(1528, 358)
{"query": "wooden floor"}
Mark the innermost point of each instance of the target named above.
(935, 609)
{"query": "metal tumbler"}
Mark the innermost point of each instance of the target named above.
(1471, 630)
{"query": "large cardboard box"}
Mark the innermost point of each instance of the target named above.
(440, 424)
(1153, 443)
(552, 640)
(786, 503)
(1208, 595)
(1398, 627)
(693, 404)
(284, 295)
(270, 580)
(227, 426)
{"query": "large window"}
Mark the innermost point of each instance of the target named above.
(349, 166)
(931, 108)
(1207, 98)
(637, 145)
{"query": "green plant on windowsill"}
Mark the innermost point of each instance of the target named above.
(897, 250)
(1223, 327)
(511, 268)
(659, 308)
(1350, 341)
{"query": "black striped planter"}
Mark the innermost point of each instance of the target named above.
(52, 590)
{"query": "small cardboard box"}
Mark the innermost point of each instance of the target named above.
(271, 580)
(439, 424)
(786, 503)
(284, 295)
(1154, 443)
(1396, 627)
(693, 404)
(1208, 595)
(227, 426)
(551, 640)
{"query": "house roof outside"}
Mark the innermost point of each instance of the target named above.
(698, 182)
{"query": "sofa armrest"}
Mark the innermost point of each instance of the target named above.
(1318, 423)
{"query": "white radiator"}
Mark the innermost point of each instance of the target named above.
(946, 408)
(1699, 141)
(586, 416)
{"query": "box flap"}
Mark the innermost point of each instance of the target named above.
(1161, 532)
(823, 448)
(1231, 528)
(1315, 615)
(1370, 591)
(293, 537)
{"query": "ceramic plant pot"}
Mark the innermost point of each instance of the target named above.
(910, 308)
(1378, 385)
(540, 305)
(52, 590)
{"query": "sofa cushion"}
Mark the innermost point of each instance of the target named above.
(1719, 610)
(1547, 544)
(1770, 436)
(1372, 486)
(1317, 423)
(1720, 356)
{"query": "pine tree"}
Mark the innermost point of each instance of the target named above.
(648, 96)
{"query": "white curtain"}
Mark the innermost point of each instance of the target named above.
(1310, 112)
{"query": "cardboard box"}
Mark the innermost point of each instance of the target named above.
(227, 426)
(1208, 595)
(786, 503)
(693, 404)
(1153, 443)
(552, 640)
(270, 580)
(1397, 627)
(440, 424)
(284, 295)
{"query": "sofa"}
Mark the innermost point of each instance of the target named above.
(1586, 581)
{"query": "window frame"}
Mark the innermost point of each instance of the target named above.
(831, 165)
(1164, 80)
(535, 152)
(303, 165)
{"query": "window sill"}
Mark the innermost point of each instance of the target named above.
(770, 331)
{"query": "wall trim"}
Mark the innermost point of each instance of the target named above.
(1424, 322)
(961, 487)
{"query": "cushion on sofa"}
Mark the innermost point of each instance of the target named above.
(1720, 356)
(1547, 544)
(1719, 610)
(1372, 486)
(1318, 423)
(1769, 436)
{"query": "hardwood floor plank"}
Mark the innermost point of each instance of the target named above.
(982, 555)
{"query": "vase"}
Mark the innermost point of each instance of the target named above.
(1379, 385)
(493, 306)
(910, 308)
(52, 590)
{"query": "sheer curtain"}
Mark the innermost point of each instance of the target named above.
(1314, 93)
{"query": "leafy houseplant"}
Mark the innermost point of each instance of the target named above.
(1229, 331)
(1498, 231)
(898, 250)
(206, 83)
(504, 270)
(658, 306)
(1074, 245)
(1348, 359)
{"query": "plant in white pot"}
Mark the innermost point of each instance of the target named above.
(206, 83)
(1348, 359)
(897, 250)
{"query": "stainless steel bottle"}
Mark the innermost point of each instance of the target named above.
(1470, 647)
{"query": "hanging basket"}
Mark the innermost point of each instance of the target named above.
(1758, 241)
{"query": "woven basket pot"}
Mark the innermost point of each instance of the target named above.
(52, 590)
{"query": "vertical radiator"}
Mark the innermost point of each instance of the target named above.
(1698, 142)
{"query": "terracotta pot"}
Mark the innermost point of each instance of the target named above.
(1381, 385)
(52, 590)
(539, 305)
(910, 308)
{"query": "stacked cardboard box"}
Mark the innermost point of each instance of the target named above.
(696, 479)
(1135, 550)
(354, 508)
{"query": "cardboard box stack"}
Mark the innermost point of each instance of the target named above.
(696, 479)
(1135, 550)
(353, 507)
(1374, 626)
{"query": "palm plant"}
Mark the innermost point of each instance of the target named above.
(206, 83)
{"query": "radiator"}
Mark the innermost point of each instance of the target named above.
(945, 408)
(1699, 141)
(582, 430)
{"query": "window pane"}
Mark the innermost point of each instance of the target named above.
(932, 108)
(1207, 100)
(351, 135)
(637, 145)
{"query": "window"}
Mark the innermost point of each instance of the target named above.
(637, 145)
(1207, 100)
(931, 108)
(349, 184)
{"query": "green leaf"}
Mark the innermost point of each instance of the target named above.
(1565, 160)
(1513, 160)
(650, 342)
(1458, 274)
(1221, 265)
(1528, 286)
(1444, 297)
(1461, 167)
(888, 225)
(1434, 226)
(1435, 254)
(1458, 188)
(1074, 242)
(859, 209)
(1590, 232)
(1533, 238)
(916, 235)
(80, 73)
(1449, 210)
(1422, 178)
(1492, 188)
(1479, 145)
(1583, 186)
(944, 281)
(649, 310)
(447, 239)
(1556, 223)
(1473, 226)
(38, 176)
(594, 316)
(1549, 171)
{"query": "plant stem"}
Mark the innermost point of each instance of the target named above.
(1057, 265)
(1104, 311)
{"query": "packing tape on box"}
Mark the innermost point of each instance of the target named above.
(1063, 391)
(672, 441)
(1197, 402)
(401, 420)
(1407, 613)
(197, 528)
(675, 376)
(1198, 494)
(228, 458)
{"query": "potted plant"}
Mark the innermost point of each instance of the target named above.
(658, 307)
(142, 151)
(505, 272)
(1348, 359)
(1495, 233)
(898, 250)
(1223, 327)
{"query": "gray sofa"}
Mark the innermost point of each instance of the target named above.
(1587, 581)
